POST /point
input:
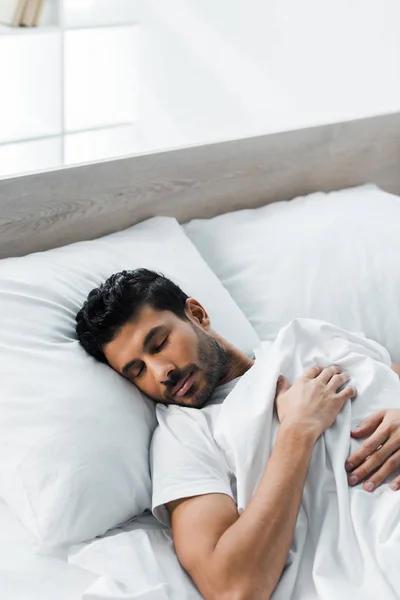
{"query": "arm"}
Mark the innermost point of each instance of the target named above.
(242, 558)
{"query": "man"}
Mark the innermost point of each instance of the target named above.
(149, 331)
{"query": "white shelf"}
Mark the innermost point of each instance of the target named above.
(62, 15)
(6, 30)
(69, 86)
(49, 21)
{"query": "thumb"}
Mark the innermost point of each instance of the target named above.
(368, 425)
(282, 385)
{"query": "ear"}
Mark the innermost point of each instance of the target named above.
(197, 314)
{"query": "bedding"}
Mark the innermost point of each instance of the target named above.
(26, 575)
(99, 569)
(134, 562)
(347, 541)
(332, 256)
(74, 435)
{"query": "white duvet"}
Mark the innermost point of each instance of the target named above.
(347, 541)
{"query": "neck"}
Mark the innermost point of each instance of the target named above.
(238, 362)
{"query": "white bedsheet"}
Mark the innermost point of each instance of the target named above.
(347, 541)
(26, 575)
(134, 562)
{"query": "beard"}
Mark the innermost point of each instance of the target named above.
(213, 364)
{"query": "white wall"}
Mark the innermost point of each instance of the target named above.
(221, 69)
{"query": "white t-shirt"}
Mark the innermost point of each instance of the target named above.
(185, 460)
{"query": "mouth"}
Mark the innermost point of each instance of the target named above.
(183, 385)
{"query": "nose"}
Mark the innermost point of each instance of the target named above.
(162, 370)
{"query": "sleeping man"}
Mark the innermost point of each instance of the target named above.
(149, 331)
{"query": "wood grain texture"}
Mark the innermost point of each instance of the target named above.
(52, 209)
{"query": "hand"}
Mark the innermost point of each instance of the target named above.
(313, 401)
(380, 451)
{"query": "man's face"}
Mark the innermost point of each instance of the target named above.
(171, 360)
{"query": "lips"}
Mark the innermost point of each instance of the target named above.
(183, 385)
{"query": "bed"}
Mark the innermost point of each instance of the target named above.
(49, 210)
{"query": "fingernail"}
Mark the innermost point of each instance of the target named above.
(349, 466)
(394, 486)
(369, 486)
(353, 480)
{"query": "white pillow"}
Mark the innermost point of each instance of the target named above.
(334, 257)
(74, 435)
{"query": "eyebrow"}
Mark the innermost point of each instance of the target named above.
(149, 336)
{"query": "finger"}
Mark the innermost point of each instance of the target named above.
(388, 468)
(282, 385)
(327, 374)
(368, 425)
(370, 446)
(346, 394)
(395, 485)
(312, 372)
(373, 462)
(338, 380)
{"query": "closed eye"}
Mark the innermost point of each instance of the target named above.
(161, 346)
(139, 373)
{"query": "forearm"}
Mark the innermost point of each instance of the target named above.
(252, 553)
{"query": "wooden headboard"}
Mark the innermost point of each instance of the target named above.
(55, 208)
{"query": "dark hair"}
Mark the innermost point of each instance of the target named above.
(118, 300)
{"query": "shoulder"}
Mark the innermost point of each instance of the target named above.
(182, 440)
(181, 426)
(184, 459)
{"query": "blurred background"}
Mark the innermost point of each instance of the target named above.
(87, 80)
